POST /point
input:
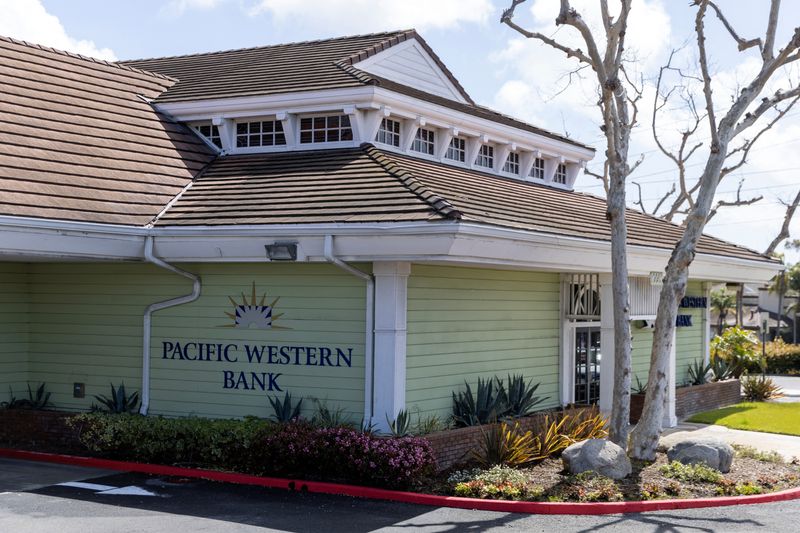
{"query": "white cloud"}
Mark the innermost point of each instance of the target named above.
(29, 20)
(176, 8)
(348, 16)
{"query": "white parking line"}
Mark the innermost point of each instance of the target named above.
(89, 486)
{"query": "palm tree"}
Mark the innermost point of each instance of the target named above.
(722, 300)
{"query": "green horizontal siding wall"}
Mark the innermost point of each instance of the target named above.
(689, 340)
(87, 327)
(466, 323)
(14, 328)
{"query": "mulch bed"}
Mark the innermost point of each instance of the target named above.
(646, 482)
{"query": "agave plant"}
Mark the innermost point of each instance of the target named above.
(699, 372)
(325, 417)
(119, 401)
(286, 410)
(489, 404)
(720, 369)
(639, 388)
(401, 425)
(520, 396)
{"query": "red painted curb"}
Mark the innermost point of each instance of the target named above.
(566, 508)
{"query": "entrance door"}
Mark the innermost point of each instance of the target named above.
(587, 365)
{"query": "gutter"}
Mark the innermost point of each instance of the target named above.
(369, 341)
(157, 306)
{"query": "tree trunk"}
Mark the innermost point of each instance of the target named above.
(721, 322)
(621, 395)
(644, 438)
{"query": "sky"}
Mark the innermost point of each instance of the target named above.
(498, 67)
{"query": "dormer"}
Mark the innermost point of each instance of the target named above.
(389, 89)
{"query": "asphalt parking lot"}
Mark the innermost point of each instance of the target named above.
(40, 497)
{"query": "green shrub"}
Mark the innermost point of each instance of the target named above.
(325, 417)
(694, 473)
(782, 357)
(428, 424)
(737, 347)
(727, 487)
(754, 453)
(497, 483)
(149, 439)
(759, 388)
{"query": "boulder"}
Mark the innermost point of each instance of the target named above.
(710, 451)
(668, 441)
(597, 455)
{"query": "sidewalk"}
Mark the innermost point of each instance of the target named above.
(787, 445)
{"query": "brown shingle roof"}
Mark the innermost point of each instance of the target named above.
(80, 143)
(305, 66)
(370, 185)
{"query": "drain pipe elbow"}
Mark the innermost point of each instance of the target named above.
(150, 257)
(369, 337)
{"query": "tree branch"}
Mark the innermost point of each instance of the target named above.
(743, 44)
(791, 207)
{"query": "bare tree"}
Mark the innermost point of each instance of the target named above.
(618, 110)
(743, 112)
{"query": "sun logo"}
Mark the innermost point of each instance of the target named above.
(253, 313)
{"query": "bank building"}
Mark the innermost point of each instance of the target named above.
(337, 219)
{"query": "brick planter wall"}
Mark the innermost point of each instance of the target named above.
(38, 430)
(696, 399)
(452, 446)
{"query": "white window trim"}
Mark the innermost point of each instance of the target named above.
(327, 144)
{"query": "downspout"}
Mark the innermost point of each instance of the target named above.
(369, 342)
(194, 295)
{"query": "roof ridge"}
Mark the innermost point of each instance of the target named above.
(261, 47)
(439, 204)
(114, 64)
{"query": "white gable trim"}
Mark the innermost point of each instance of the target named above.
(373, 65)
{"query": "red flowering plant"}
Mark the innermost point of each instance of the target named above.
(298, 449)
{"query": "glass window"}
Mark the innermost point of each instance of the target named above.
(423, 141)
(389, 132)
(260, 133)
(457, 151)
(512, 163)
(485, 156)
(561, 174)
(537, 170)
(332, 128)
(210, 132)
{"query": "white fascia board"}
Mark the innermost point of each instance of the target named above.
(291, 102)
(466, 123)
(446, 242)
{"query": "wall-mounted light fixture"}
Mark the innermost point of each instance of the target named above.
(282, 251)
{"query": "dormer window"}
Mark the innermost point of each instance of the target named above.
(537, 170)
(485, 156)
(561, 174)
(210, 132)
(331, 128)
(423, 141)
(389, 132)
(512, 163)
(457, 151)
(260, 133)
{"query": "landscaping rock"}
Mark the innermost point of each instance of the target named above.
(710, 451)
(597, 455)
(668, 441)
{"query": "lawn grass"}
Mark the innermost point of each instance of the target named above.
(783, 418)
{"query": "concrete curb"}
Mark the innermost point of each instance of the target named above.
(564, 508)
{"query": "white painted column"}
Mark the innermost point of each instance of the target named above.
(670, 420)
(389, 383)
(606, 344)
